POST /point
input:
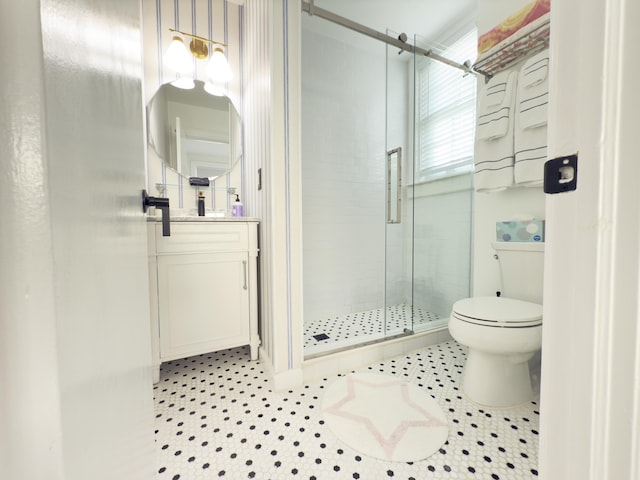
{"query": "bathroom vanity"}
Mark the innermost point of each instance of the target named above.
(203, 286)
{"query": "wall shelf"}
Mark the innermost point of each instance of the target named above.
(525, 42)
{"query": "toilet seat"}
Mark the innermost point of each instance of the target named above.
(498, 312)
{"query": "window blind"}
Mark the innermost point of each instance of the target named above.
(446, 110)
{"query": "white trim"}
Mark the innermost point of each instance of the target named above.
(294, 27)
(429, 188)
(287, 163)
(280, 381)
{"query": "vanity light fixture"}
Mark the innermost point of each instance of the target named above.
(177, 58)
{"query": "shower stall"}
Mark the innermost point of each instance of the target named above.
(385, 253)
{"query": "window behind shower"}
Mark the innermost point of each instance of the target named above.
(445, 112)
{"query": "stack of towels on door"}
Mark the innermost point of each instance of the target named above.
(511, 133)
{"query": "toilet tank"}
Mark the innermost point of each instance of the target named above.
(522, 269)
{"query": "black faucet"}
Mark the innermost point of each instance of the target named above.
(161, 203)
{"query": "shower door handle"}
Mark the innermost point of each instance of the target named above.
(394, 185)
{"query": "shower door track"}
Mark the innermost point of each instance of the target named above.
(311, 9)
(405, 333)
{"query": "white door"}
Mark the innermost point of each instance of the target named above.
(590, 403)
(76, 391)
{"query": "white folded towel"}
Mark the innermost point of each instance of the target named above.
(533, 91)
(530, 135)
(528, 170)
(494, 154)
(535, 71)
(494, 112)
(495, 94)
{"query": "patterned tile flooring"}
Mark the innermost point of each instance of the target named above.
(354, 328)
(217, 418)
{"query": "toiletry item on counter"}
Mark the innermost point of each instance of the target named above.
(237, 209)
(201, 204)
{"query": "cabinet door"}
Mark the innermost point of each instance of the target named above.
(203, 303)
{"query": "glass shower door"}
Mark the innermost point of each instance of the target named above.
(441, 196)
(399, 204)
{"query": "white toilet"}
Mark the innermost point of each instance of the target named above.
(503, 333)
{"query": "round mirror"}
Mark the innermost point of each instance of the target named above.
(195, 133)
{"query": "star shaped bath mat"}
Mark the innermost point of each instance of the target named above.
(384, 417)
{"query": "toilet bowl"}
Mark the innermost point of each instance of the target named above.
(502, 335)
(503, 332)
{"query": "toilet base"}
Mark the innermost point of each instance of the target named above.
(497, 380)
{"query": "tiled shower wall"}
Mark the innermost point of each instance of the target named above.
(218, 20)
(442, 244)
(343, 144)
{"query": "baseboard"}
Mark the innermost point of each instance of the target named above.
(280, 381)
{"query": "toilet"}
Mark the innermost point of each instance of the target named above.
(503, 333)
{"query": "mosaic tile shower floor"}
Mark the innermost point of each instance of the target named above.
(217, 418)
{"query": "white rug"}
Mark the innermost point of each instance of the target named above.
(384, 417)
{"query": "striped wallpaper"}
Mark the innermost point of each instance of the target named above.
(257, 144)
(271, 138)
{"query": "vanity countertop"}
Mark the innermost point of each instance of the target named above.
(193, 218)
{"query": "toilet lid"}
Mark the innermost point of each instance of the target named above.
(498, 311)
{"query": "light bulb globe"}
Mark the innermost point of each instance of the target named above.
(218, 69)
(177, 57)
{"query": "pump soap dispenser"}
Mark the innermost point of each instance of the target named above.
(200, 204)
(237, 209)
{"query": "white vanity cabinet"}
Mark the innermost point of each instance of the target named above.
(203, 287)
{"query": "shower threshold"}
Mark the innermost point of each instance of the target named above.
(355, 344)
(355, 330)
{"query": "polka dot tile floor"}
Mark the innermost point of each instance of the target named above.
(217, 418)
(346, 330)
